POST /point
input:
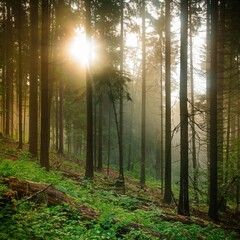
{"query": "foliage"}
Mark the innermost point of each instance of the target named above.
(24, 220)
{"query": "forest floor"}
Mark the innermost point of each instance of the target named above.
(75, 208)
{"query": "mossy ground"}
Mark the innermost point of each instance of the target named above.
(136, 214)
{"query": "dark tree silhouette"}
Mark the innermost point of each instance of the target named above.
(168, 149)
(20, 76)
(143, 127)
(33, 101)
(44, 149)
(183, 206)
(213, 206)
(9, 70)
(100, 136)
(89, 173)
(121, 170)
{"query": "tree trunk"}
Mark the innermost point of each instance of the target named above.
(208, 59)
(183, 207)
(95, 145)
(109, 136)
(100, 137)
(168, 148)
(44, 151)
(130, 163)
(20, 95)
(194, 157)
(121, 170)
(60, 122)
(9, 72)
(4, 42)
(57, 116)
(89, 92)
(238, 151)
(43, 192)
(143, 126)
(213, 206)
(220, 80)
(238, 160)
(161, 127)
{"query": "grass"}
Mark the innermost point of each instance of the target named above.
(28, 220)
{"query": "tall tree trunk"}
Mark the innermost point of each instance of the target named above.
(213, 206)
(60, 122)
(225, 165)
(238, 149)
(109, 136)
(44, 149)
(143, 127)
(20, 95)
(238, 160)
(161, 127)
(130, 163)
(220, 80)
(194, 157)
(3, 72)
(159, 147)
(168, 148)
(121, 170)
(9, 71)
(100, 137)
(57, 115)
(89, 173)
(208, 60)
(183, 207)
(95, 145)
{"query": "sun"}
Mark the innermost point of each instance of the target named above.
(81, 49)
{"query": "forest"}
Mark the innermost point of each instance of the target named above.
(119, 119)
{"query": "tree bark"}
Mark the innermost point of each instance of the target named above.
(121, 170)
(183, 207)
(89, 173)
(20, 92)
(220, 81)
(60, 122)
(9, 71)
(168, 148)
(213, 188)
(44, 151)
(143, 125)
(193, 129)
(100, 137)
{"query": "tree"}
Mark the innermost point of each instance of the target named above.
(193, 128)
(213, 188)
(168, 159)
(33, 101)
(183, 206)
(143, 127)
(121, 171)
(100, 135)
(20, 78)
(60, 15)
(60, 116)
(9, 71)
(89, 92)
(220, 81)
(44, 149)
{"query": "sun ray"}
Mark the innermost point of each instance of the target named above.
(81, 49)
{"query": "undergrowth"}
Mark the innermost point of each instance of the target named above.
(28, 220)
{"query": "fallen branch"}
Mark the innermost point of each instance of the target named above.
(28, 190)
(35, 194)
